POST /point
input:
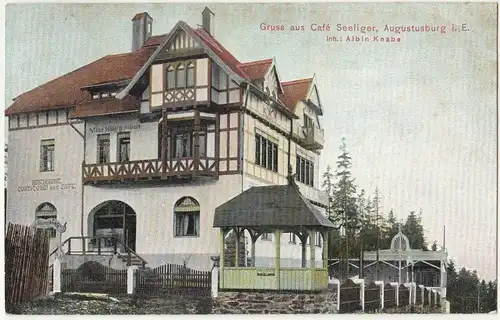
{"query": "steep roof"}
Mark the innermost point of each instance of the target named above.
(270, 206)
(256, 69)
(66, 90)
(294, 91)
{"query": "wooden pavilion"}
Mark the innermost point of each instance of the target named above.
(274, 209)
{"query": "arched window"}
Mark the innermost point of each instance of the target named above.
(180, 76)
(187, 217)
(47, 211)
(170, 78)
(190, 75)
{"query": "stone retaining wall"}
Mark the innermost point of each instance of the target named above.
(274, 303)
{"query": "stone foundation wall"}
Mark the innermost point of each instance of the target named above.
(274, 303)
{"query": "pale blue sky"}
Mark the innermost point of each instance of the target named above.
(419, 117)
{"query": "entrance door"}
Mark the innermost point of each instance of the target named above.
(116, 218)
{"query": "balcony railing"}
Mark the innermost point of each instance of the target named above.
(150, 169)
(311, 137)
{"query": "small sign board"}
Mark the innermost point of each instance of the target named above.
(49, 223)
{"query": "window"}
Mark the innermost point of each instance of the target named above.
(47, 212)
(104, 94)
(47, 155)
(190, 75)
(308, 122)
(182, 143)
(187, 218)
(103, 148)
(96, 95)
(203, 144)
(318, 239)
(123, 147)
(170, 78)
(305, 171)
(292, 238)
(180, 76)
(266, 153)
(266, 236)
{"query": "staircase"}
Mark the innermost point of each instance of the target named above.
(129, 257)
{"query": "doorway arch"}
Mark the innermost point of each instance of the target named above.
(114, 217)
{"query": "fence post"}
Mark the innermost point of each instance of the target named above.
(421, 286)
(381, 284)
(396, 286)
(408, 285)
(414, 298)
(435, 297)
(215, 276)
(130, 278)
(430, 296)
(361, 282)
(56, 285)
(337, 283)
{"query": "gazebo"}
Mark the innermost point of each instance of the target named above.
(274, 209)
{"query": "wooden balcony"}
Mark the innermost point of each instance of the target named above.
(310, 137)
(150, 170)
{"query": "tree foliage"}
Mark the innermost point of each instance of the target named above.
(361, 224)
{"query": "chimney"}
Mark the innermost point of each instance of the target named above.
(208, 21)
(142, 29)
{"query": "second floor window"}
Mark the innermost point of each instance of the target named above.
(292, 238)
(124, 146)
(180, 75)
(103, 148)
(318, 239)
(305, 171)
(266, 153)
(47, 155)
(182, 144)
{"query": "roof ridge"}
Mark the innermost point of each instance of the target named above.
(287, 83)
(257, 62)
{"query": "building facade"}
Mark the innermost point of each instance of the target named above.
(147, 144)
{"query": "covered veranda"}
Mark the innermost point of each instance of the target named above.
(274, 209)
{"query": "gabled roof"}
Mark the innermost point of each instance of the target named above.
(213, 48)
(256, 69)
(65, 91)
(270, 206)
(295, 91)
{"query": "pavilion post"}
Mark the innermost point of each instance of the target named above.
(304, 251)
(313, 249)
(277, 236)
(325, 250)
(254, 241)
(237, 254)
(221, 266)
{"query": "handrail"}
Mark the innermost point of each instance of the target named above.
(118, 240)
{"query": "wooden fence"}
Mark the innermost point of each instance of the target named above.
(372, 297)
(404, 296)
(26, 263)
(389, 296)
(350, 297)
(172, 279)
(94, 277)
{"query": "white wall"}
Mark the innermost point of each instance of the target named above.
(143, 138)
(24, 167)
(155, 239)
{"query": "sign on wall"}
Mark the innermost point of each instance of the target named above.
(49, 223)
(47, 185)
(117, 128)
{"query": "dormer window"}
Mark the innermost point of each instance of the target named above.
(170, 78)
(103, 95)
(181, 76)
